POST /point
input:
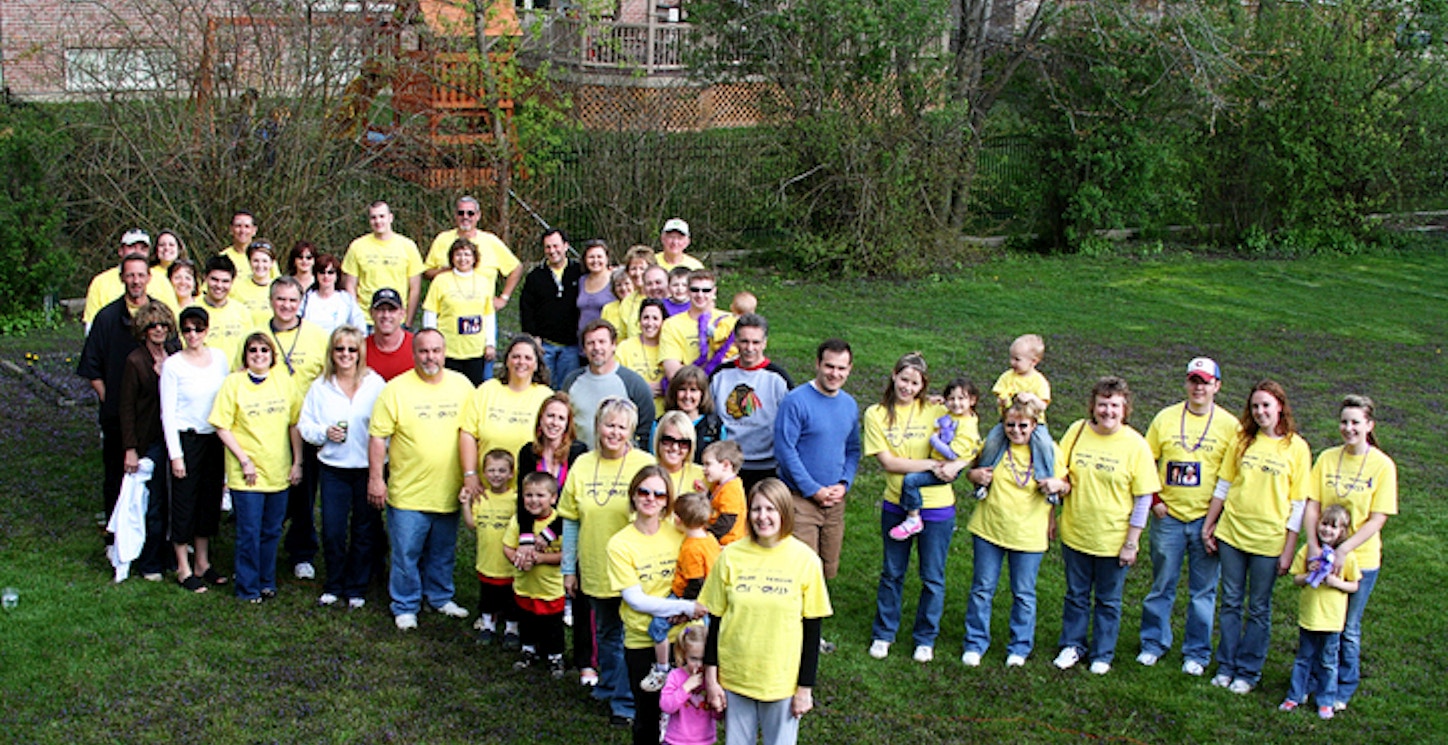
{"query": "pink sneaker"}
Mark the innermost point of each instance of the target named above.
(903, 531)
(1324, 712)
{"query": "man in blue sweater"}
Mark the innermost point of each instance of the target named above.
(817, 447)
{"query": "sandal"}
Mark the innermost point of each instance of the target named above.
(192, 584)
(214, 577)
(254, 601)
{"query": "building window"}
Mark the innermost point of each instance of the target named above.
(119, 70)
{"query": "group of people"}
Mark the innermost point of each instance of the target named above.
(634, 464)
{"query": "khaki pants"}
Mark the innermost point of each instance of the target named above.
(822, 529)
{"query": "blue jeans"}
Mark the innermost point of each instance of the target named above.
(910, 486)
(985, 577)
(1242, 646)
(1349, 670)
(1173, 541)
(560, 360)
(1043, 453)
(423, 554)
(1105, 578)
(613, 685)
(347, 531)
(259, 518)
(934, 543)
(1315, 670)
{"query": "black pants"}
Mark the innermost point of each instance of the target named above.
(301, 540)
(640, 663)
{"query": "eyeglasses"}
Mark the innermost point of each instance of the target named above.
(258, 350)
(348, 350)
(466, 213)
(651, 493)
(193, 329)
(158, 325)
(665, 441)
(701, 290)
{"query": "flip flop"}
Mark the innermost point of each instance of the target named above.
(192, 584)
(213, 577)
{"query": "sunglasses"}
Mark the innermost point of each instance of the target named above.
(466, 213)
(158, 325)
(193, 329)
(306, 256)
(679, 442)
(258, 350)
(701, 290)
(1017, 425)
(651, 493)
(327, 271)
(348, 350)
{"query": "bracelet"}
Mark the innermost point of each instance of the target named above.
(469, 473)
(1129, 545)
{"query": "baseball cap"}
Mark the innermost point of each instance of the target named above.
(1204, 368)
(135, 235)
(386, 296)
(676, 225)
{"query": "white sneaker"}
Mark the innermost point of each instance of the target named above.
(1240, 687)
(923, 654)
(355, 603)
(654, 681)
(1015, 660)
(452, 610)
(406, 621)
(1193, 668)
(1100, 668)
(305, 570)
(1146, 658)
(327, 598)
(970, 659)
(1068, 658)
(1221, 680)
(879, 649)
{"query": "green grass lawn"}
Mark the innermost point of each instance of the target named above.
(83, 660)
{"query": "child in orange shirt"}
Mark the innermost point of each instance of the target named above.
(722, 461)
(696, 558)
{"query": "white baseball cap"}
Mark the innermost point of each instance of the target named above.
(135, 235)
(676, 225)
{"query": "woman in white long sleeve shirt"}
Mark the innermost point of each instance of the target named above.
(189, 382)
(335, 416)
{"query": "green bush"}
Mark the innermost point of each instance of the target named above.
(33, 262)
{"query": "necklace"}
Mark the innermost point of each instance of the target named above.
(1336, 485)
(1020, 477)
(897, 442)
(1182, 431)
(618, 476)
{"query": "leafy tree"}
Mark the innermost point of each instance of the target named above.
(32, 260)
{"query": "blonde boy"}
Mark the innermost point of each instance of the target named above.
(722, 461)
(489, 515)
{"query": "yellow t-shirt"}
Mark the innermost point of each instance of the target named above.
(596, 495)
(252, 296)
(461, 303)
(501, 418)
(1188, 450)
(1324, 608)
(494, 256)
(966, 443)
(762, 595)
(492, 514)
(422, 419)
(305, 347)
(543, 581)
(647, 561)
(909, 437)
(624, 315)
(684, 260)
(644, 360)
(227, 328)
(1013, 515)
(1266, 480)
(1108, 473)
(106, 287)
(687, 478)
(1009, 384)
(1363, 487)
(377, 264)
(679, 338)
(260, 416)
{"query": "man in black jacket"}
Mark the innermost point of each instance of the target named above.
(548, 307)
